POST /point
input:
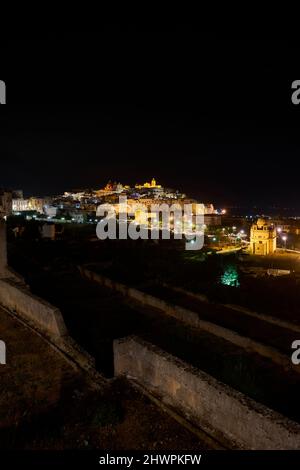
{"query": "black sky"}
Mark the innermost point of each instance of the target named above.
(211, 117)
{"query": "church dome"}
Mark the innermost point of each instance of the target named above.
(261, 222)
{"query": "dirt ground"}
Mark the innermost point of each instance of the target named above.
(46, 403)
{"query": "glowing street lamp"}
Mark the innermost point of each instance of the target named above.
(284, 238)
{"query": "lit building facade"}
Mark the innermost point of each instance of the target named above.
(31, 204)
(37, 204)
(151, 185)
(262, 238)
(20, 205)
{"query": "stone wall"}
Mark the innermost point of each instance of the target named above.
(192, 318)
(19, 299)
(3, 248)
(218, 409)
(42, 317)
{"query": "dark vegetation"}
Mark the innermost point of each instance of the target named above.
(96, 316)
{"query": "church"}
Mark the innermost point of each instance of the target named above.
(262, 238)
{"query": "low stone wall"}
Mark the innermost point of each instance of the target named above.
(220, 410)
(3, 248)
(192, 318)
(239, 308)
(19, 299)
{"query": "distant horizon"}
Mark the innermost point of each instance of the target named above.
(254, 209)
(220, 132)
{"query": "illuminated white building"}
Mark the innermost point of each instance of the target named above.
(31, 204)
(20, 205)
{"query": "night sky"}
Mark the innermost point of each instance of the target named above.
(212, 118)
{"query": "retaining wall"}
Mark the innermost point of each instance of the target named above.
(20, 300)
(3, 248)
(215, 407)
(192, 318)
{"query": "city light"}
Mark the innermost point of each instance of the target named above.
(284, 239)
(150, 249)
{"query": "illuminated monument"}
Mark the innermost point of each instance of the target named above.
(262, 238)
(151, 185)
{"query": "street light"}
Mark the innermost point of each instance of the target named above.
(284, 238)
